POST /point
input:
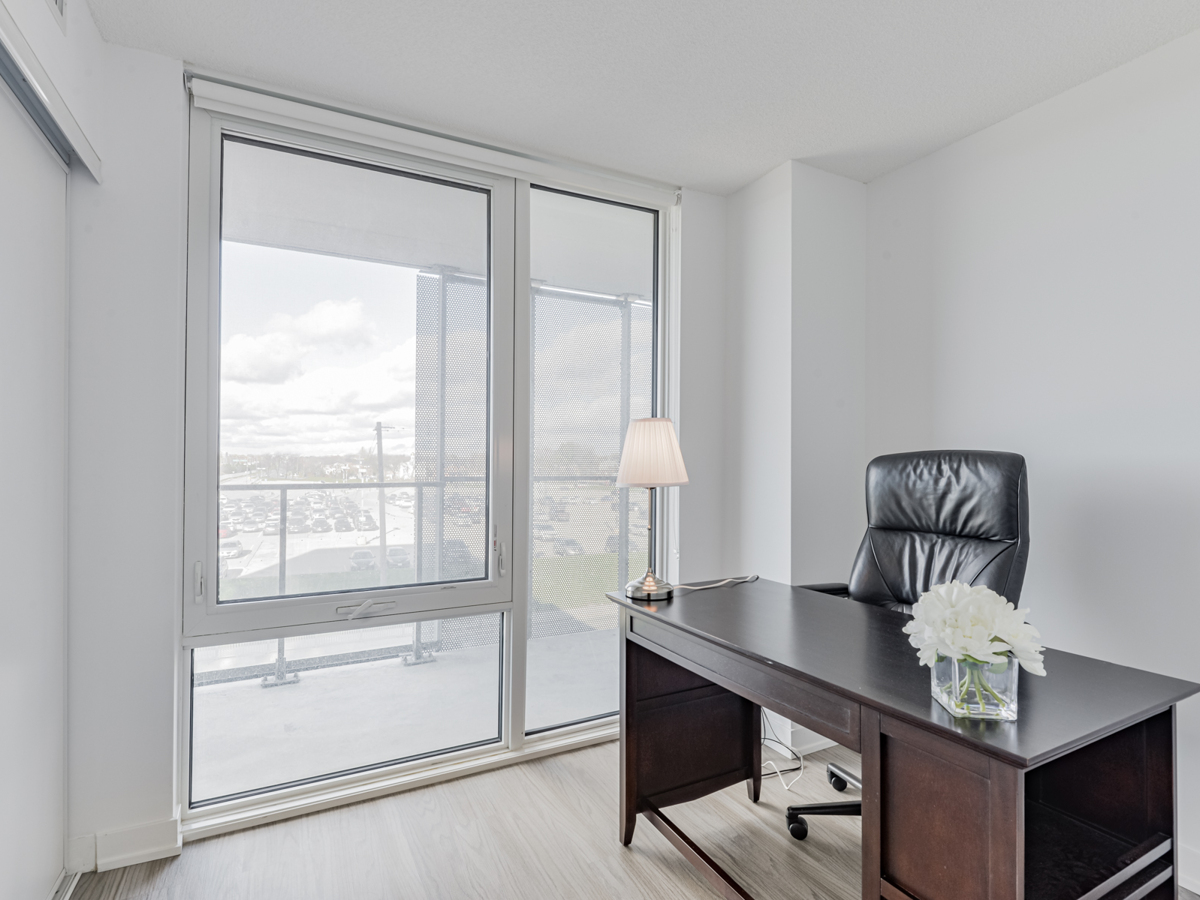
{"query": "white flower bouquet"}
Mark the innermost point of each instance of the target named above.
(969, 637)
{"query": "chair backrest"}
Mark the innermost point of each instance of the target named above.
(939, 516)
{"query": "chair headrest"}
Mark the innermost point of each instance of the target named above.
(969, 493)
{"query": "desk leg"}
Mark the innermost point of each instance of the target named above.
(754, 752)
(870, 738)
(629, 734)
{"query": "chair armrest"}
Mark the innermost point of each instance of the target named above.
(834, 588)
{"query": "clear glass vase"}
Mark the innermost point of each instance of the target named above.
(973, 690)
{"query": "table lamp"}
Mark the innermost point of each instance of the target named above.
(650, 459)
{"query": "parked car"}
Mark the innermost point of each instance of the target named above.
(252, 525)
(613, 543)
(366, 523)
(458, 562)
(341, 523)
(398, 558)
(298, 526)
(321, 525)
(463, 520)
(543, 531)
(271, 528)
(362, 559)
(232, 550)
(558, 513)
(568, 547)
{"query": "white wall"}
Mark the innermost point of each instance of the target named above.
(829, 248)
(701, 415)
(33, 413)
(758, 378)
(1036, 288)
(126, 463)
(795, 397)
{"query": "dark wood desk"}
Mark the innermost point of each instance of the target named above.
(1074, 801)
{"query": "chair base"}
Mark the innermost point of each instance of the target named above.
(840, 779)
(798, 826)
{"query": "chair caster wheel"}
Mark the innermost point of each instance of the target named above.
(839, 784)
(798, 829)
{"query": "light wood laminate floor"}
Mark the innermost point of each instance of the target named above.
(541, 829)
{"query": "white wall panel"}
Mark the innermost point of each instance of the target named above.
(33, 371)
(126, 454)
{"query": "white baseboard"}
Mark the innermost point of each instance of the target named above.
(798, 737)
(81, 853)
(142, 843)
(1189, 868)
(805, 741)
(64, 886)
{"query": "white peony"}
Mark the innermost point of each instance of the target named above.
(960, 621)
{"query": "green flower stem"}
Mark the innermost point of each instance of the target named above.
(992, 691)
(975, 678)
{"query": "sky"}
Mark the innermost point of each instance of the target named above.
(314, 351)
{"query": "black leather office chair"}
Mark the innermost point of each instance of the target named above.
(932, 517)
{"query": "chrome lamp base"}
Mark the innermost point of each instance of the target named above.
(649, 587)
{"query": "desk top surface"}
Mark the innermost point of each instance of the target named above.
(859, 651)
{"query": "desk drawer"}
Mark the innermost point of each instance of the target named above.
(805, 704)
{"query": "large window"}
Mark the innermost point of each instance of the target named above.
(593, 268)
(349, 602)
(353, 391)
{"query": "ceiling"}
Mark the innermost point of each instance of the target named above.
(701, 93)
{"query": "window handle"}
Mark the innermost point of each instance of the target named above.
(362, 608)
(500, 562)
(198, 582)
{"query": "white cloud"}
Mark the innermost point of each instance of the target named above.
(272, 358)
(578, 382)
(331, 322)
(328, 409)
(278, 355)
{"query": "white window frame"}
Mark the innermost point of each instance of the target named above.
(219, 106)
(204, 615)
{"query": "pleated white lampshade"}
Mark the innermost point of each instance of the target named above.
(651, 457)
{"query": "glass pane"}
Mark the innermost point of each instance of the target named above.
(593, 269)
(354, 376)
(273, 713)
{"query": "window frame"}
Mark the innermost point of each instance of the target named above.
(203, 615)
(219, 105)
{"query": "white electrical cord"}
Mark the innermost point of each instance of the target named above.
(799, 757)
(787, 785)
(745, 579)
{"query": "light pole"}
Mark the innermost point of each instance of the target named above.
(383, 561)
